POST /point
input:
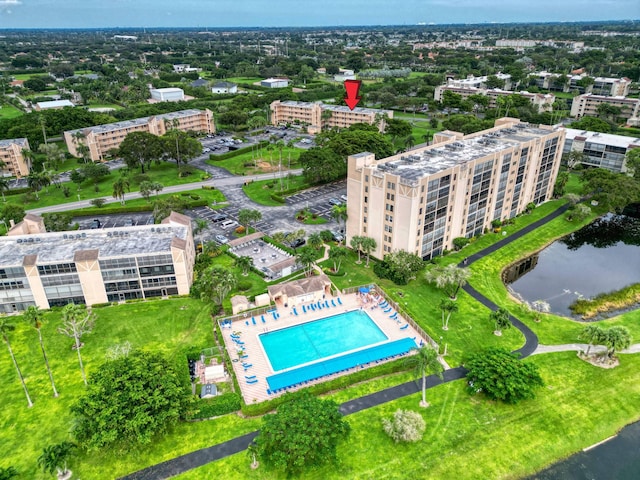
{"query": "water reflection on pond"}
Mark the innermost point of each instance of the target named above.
(601, 257)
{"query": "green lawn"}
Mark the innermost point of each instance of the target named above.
(8, 111)
(469, 437)
(165, 173)
(261, 191)
(104, 105)
(243, 79)
(160, 325)
(259, 161)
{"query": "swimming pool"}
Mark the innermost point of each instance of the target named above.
(312, 341)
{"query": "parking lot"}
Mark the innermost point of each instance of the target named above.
(318, 199)
(113, 221)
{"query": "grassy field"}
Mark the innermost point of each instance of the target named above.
(104, 105)
(165, 173)
(259, 161)
(243, 79)
(8, 111)
(261, 191)
(469, 437)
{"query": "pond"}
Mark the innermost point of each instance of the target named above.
(604, 256)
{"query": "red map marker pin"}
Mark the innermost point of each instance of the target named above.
(352, 87)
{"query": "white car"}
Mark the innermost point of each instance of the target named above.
(221, 239)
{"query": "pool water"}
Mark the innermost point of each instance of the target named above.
(320, 339)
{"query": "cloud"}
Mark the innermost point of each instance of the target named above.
(6, 3)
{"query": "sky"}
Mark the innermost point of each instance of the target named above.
(301, 13)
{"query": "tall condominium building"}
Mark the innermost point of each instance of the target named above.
(102, 138)
(317, 116)
(602, 150)
(588, 103)
(12, 161)
(96, 266)
(542, 101)
(420, 200)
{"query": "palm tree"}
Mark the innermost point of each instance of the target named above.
(617, 338)
(201, 225)
(368, 245)
(307, 258)
(337, 254)
(37, 180)
(79, 141)
(4, 185)
(450, 278)
(325, 116)
(501, 319)
(339, 213)
(54, 458)
(315, 241)
(121, 186)
(5, 328)
(592, 334)
(245, 264)
(278, 237)
(425, 361)
(77, 321)
(409, 142)
(356, 244)
(428, 137)
(33, 317)
(448, 307)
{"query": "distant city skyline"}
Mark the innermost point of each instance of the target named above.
(289, 13)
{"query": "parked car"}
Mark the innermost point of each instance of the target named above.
(228, 223)
(221, 239)
(298, 242)
(337, 236)
(128, 222)
(218, 217)
(343, 198)
(335, 201)
(95, 224)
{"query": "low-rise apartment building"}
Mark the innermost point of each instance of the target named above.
(96, 266)
(542, 101)
(607, 86)
(13, 163)
(420, 200)
(588, 103)
(602, 150)
(480, 82)
(102, 138)
(318, 115)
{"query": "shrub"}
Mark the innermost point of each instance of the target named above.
(213, 407)
(244, 285)
(240, 230)
(98, 202)
(326, 235)
(406, 426)
(460, 242)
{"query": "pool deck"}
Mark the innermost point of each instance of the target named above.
(260, 367)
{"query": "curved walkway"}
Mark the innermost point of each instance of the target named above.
(216, 452)
(581, 347)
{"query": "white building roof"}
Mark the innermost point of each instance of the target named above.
(602, 138)
(55, 104)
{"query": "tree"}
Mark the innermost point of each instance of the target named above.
(613, 191)
(450, 278)
(57, 222)
(447, 307)
(352, 141)
(500, 317)
(8, 473)
(162, 207)
(617, 338)
(11, 211)
(303, 433)
(245, 264)
(201, 226)
(397, 128)
(146, 189)
(247, 216)
(321, 165)
(460, 242)
(5, 328)
(98, 202)
(181, 147)
(538, 307)
(578, 213)
(356, 244)
(120, 187)
(368, 245)
(4, 183)
(214, 284)
(139, 149)
(337, 255)
(593, 334)
(315, 241)
(502, 376)
(53, 154)
(77, 321)
(54, 459)
(339, 213)
(34, 318)
(406, 426)
(307, 258)
(37, 180)
(95, 171)
(632, 162)
(79, 140)
(130, 400)
(425, 361)
(561, 184)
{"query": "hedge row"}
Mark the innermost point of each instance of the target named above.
(17, 191)
(280, 197)
(338, 383)
(216, 406)
(86, 212)
(237, 152)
